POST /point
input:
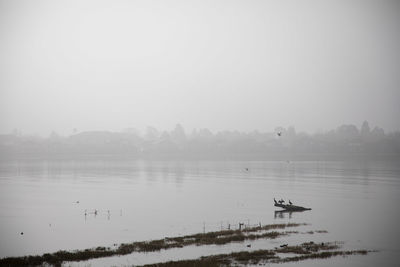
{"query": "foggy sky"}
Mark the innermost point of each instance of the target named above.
(223, 65)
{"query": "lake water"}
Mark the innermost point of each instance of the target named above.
(355, 201)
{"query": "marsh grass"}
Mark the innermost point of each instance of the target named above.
(235, 258)
(210, 238)
(318, 251)
(308, 248)
(321, 255)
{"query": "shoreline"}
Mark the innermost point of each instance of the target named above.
(303, 251)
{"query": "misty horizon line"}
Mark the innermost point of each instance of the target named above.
(345, 140)
(142, 131)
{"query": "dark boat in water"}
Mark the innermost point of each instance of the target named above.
(289, 207)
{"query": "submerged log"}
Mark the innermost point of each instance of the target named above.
(289, 207)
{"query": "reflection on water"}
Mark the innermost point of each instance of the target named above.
(282, 214)
(92, 203)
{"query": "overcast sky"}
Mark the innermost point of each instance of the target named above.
(223, 65)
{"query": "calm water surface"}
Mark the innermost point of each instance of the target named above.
(355, 201)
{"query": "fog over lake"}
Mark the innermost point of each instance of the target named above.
(129, 121)
(152, 199)
(223, 65)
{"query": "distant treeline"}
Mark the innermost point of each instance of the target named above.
(283, 143)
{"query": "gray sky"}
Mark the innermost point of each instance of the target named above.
(224, 65)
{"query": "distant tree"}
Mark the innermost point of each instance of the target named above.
(152, 134)
(347, 132)
(193, 134)
(165, 136)
(205, 134)
(54, 136)
(378, 132)
(365, 130)
(178, 134)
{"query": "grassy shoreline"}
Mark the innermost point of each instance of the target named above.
(209, 238)
(302, 252)
(281, 254)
